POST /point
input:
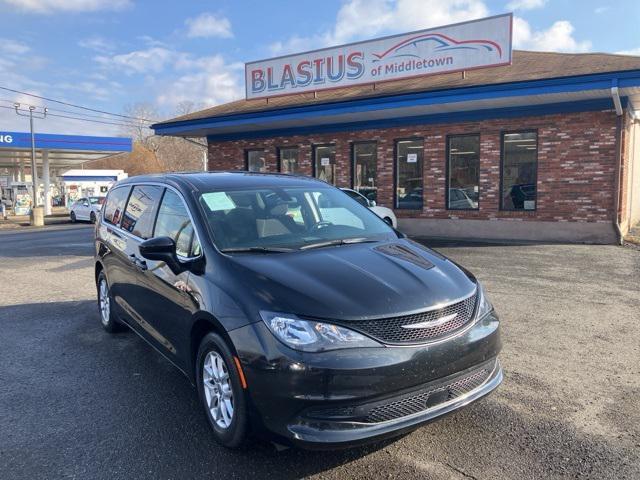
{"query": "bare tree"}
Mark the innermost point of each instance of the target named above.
(143, 114)
(169, 153)
(187, 106)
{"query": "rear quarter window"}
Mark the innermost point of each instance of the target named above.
(114, 205)
(141, 209)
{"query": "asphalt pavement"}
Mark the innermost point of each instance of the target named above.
(76, 402)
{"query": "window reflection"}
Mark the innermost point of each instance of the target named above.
(365, 162)
(409, 156)
(325, 163)
(288, 158)
(464, 172)
(519, 170)
(256, 161)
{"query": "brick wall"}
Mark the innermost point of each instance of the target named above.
(576, 164)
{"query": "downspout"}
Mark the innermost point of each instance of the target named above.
(617, 103)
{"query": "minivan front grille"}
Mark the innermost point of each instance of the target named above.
(428, 398)
(402, 330)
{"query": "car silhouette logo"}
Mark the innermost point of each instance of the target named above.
(431, 323)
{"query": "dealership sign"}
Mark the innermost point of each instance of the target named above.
(463, 46)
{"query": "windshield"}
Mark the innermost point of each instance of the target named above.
(96, 200)
(289, 218)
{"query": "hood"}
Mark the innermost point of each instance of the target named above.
(353, 282)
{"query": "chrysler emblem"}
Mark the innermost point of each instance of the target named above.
(431, 323)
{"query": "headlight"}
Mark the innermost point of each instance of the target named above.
(310, 336)
(484, 305)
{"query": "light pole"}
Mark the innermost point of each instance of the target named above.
(34, 167)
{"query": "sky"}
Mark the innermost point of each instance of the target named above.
(111, 54)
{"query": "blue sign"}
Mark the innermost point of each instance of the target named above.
(48, 141)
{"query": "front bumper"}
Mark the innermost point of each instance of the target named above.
(293, 391)
(313, 433)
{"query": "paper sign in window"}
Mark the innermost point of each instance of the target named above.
(217, 201)
(412, 158)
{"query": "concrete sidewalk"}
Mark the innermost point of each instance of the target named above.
(59, 215)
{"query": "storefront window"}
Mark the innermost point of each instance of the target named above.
(365, 162)
(519, 170)
(324, 158)
(464, 172)
(256, 161)
(288, 158)
(409, 155)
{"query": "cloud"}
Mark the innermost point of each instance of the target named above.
(600, 10)
(178, 76)
(557, 38)
(98, 44)
(52, 6)
(633, 51)
(11, 74)
(366, 18)
(211, 82)
(525, 4)
(150, 60)
(13, 47)
(207, 25)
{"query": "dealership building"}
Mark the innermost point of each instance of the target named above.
(522, 146)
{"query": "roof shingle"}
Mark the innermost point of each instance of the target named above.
(525, 66)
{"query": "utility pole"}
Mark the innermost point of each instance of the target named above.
(205, 153)
(34, 166)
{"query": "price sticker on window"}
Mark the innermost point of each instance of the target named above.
(217, 201)
(412, 158)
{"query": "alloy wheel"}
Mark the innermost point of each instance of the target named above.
(217, 389)
(105, 302)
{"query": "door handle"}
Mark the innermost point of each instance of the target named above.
(138, 262)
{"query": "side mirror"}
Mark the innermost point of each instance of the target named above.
(372, 203)
(162, 249)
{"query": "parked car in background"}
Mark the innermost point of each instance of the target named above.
(383, 212)
(458, 199)
(86, 209)
(292, 309)
(521, 197)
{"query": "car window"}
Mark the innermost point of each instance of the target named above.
(174, 222)
(290, 217)
(115, 204)
(140, 212)
(357, 197)
(96, 200)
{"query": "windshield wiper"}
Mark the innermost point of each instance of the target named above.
(257, 249)
(340, 241)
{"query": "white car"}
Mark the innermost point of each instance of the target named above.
(86, 208)
(383, 212)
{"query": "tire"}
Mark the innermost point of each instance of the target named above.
(389, 221)
(107, 316)
(92, 217)
(228, 430)
(73, 217)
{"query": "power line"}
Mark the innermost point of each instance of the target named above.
(13, 102)
(84, 119)
(76, 106)
(88, 115)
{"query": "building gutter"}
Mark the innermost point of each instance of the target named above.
(246, 120)
(617, 103)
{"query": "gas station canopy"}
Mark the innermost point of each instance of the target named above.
(63, 151)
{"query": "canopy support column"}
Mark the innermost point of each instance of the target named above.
(46, 180)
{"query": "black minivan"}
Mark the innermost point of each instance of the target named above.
(293, 309)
